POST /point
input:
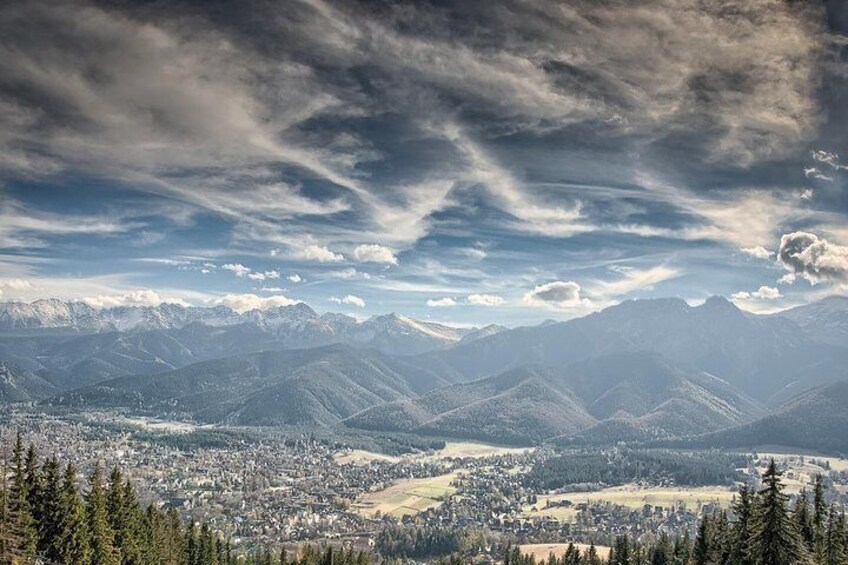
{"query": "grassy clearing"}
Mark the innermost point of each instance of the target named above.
(407, 497)
(634, 497)
(452, 449)
(362, 457)
(541, 551)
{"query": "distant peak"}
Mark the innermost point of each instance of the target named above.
(717, 301)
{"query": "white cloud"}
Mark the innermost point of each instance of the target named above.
(815, 259)
(347, 274)
(136, 298)
(295, 278)
(474, 253)
(763, 293)
(246, 302)
(320, 254)
(262, 276)
(237, 269)
(441, 302)
(350, 300)
(828, 158)
(484, 300)
(632, 280)
(758, 252)
(812, 172)
(373, 253)
(557, 294)
(16, 284)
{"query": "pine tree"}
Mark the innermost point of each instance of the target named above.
(774, 540)
(73, 543)
(101, 537)
(804, 521)
(835, 552)
(21, 525)
(661, 553)
(819, 520)
(741, 533)
(592, 557)
(702, 551)
(49, 527)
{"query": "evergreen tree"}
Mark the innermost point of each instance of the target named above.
(101, 536)
(73, 543)
(774, 539)
(20, 524)
(702, 551)
(804, 520)
(740, 535)
(835, 550)
(49, 526)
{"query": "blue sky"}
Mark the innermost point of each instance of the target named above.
(502, 162)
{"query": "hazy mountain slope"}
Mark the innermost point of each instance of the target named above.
(306, 386)
(825, 321)
(759, 354)
(816, 419)
(640, 393)
(17, 385)
(517, 406)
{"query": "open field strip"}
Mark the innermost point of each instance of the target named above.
(634, 497)
(406, 497)
(362, 457)
(541, 551)
(458, 449)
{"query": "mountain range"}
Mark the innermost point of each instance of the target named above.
(643, 370)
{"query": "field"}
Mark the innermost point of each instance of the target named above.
(634, 497)
(458, 449)
(406, 497)
(541, 551)
(361, 457)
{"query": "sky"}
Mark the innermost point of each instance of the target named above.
(462, 162)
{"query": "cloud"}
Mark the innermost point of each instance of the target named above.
(817, 260)
(831, 159)
(484, 300)
(320, 254)
(137, 298)
(295, 278)
(633, 279)
(347, 274)
(266, 275)
(373, 253)
(763, 293)
(758, 252)
(812, 172)
(474, 253)
(558, 294)
(350, 300)
(246, 302)
(237, 269)
(441, 302)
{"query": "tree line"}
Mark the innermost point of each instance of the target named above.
(46, 519)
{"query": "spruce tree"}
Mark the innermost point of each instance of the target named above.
(774, 539)
(702, 551)
(21, 525)
(49, 526)
(804, 521)
(101, 537)
(73, 543)
(740, 536)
